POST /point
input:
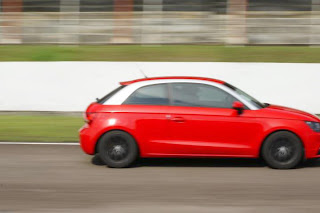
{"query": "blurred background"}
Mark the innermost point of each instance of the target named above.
(53, 95)
(57, 56)
(245, 22)
(146, 30)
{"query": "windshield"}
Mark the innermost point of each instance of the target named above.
(248, 98)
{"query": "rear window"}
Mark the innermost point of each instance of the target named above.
(149, 95)
(109, 95)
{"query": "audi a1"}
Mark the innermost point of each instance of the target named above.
(188, 117)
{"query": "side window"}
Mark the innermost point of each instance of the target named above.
(200, 95)
(149, 95)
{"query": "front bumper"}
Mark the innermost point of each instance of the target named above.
(313, 146)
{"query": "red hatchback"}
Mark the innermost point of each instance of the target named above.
(195, 117)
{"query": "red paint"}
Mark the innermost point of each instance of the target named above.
(237, 105)
(175, 131)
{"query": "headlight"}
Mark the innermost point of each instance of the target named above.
(315, 126)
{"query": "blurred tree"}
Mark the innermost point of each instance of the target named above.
(279, 5)
(96, 5)
(41, 5)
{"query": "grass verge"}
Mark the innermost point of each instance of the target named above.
(49, 128)
(194, 53)
(40, 128)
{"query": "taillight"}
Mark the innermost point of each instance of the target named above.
(89, 117)
(90, 113)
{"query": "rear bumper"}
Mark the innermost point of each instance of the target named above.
(87, 141)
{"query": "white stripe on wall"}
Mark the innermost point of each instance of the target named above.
(40, 143)
(71, 86)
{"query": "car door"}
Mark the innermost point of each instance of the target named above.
(203, 123)
(146, 111)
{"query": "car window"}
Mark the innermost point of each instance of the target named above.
(149, 95)
(200, 95)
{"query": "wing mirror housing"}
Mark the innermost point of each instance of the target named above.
(237, 105)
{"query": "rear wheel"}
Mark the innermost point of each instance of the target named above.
(117, 149)
(282, 150)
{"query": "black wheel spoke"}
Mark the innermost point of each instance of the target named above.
(282, 150)
(117, 148)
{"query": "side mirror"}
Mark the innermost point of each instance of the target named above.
(237, 105)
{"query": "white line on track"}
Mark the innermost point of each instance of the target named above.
(40, 143)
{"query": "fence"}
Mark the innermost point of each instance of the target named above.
(160, 22)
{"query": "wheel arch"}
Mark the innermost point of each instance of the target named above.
(111, 130)
(280, 130)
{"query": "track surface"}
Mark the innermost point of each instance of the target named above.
(49, 178)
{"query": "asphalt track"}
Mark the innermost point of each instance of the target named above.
(57, 178)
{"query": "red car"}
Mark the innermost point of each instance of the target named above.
(195, 117)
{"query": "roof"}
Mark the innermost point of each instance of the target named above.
(172, 77)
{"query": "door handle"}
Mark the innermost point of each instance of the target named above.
(178, 119)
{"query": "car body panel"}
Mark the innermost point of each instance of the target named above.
(179, 131)
(207, 131)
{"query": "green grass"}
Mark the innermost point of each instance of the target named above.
(65, 128)
(160, 53)
(48, 128)
(38, 128)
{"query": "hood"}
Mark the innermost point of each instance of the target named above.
(276, 111)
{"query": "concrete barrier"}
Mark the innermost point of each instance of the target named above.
(71, 86)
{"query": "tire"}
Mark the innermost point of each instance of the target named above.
(117, 149)
(282, 150)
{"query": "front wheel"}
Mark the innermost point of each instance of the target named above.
(117, 149)
(282, 150)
